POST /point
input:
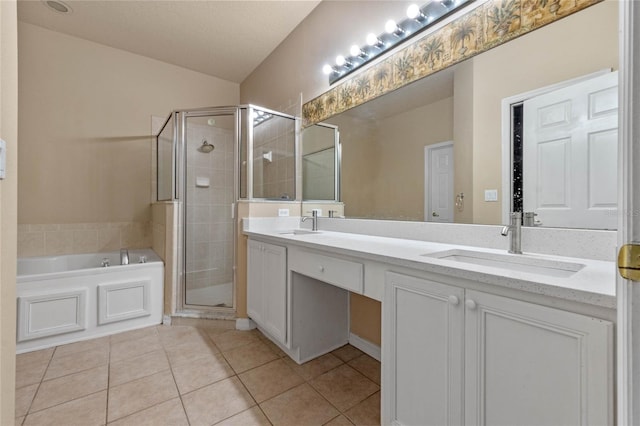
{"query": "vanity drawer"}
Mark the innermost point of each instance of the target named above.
(339, 272)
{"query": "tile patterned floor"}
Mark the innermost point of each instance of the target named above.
(202, 373)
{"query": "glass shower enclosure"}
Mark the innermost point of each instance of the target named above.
(208, 159)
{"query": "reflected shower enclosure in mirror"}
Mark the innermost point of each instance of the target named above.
(271, 137)
(383, 141)
(321, 163)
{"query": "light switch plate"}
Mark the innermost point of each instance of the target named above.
(491, 195)
(3, 158)
(283, 212)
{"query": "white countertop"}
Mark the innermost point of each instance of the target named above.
(594, 284)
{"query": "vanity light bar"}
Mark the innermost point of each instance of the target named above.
(418, 19)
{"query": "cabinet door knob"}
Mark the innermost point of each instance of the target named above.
(321, 268)
(470, 304)
(454, 300)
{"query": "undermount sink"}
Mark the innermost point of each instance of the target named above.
(299, 232)
(520, 263)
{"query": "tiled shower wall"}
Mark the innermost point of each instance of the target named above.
(209, 227)
(77, 238)
(274, 178)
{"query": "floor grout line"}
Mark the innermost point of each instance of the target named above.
(208, 339)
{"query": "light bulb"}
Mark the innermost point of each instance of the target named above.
(372, 39)
(355, 50)
(254, 115)
(390, 27)
(327, 69)
(340, 60)
(260, 112)
(413, 11)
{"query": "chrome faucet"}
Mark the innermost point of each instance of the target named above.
(314, 217)
(124, 256)
(514, 228)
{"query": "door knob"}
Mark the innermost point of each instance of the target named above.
(434, 214)
(454, 300)
(471, 305)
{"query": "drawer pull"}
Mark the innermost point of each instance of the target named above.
(471, 305)
(454, 300)
(321, 268)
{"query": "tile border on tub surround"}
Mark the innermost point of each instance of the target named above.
(76, 238)
(580, 243)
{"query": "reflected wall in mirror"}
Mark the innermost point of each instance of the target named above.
(383, 141)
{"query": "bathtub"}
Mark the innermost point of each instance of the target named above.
(65, 299)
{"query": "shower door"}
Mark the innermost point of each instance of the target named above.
(209, 196)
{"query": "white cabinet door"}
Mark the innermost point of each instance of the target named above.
(255, 261)
(267, 288)
(527, 364)
(275, 291)
(422, 352)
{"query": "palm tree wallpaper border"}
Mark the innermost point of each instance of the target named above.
(487, 26)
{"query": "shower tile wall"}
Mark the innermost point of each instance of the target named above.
(274, 178)
(209, 226)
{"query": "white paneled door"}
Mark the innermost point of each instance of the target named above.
(571, 155)
(439, 182)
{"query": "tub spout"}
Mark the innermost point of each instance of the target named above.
(124, 256)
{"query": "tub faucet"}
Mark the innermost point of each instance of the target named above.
(124, 256)
(514, 231)
(314, 217)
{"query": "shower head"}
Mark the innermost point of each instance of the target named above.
(206, 147)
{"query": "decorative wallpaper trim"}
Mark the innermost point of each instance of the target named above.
(485, 27)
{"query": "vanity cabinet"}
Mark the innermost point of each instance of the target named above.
(458, 356)
(267, 288)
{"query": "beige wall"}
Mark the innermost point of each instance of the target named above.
(399, 183)
(85, 123)
(359, 151)
(582, 43)
(295, 67)
(463, 140)
(8, 207)
(366, 318)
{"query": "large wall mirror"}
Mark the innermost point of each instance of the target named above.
(433, 150)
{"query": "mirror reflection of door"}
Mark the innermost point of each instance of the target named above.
(439, 182)
(570, 140)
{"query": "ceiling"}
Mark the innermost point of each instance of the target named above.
(225, 39)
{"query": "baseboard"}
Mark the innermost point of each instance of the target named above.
(365, 346)
(245, 324)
